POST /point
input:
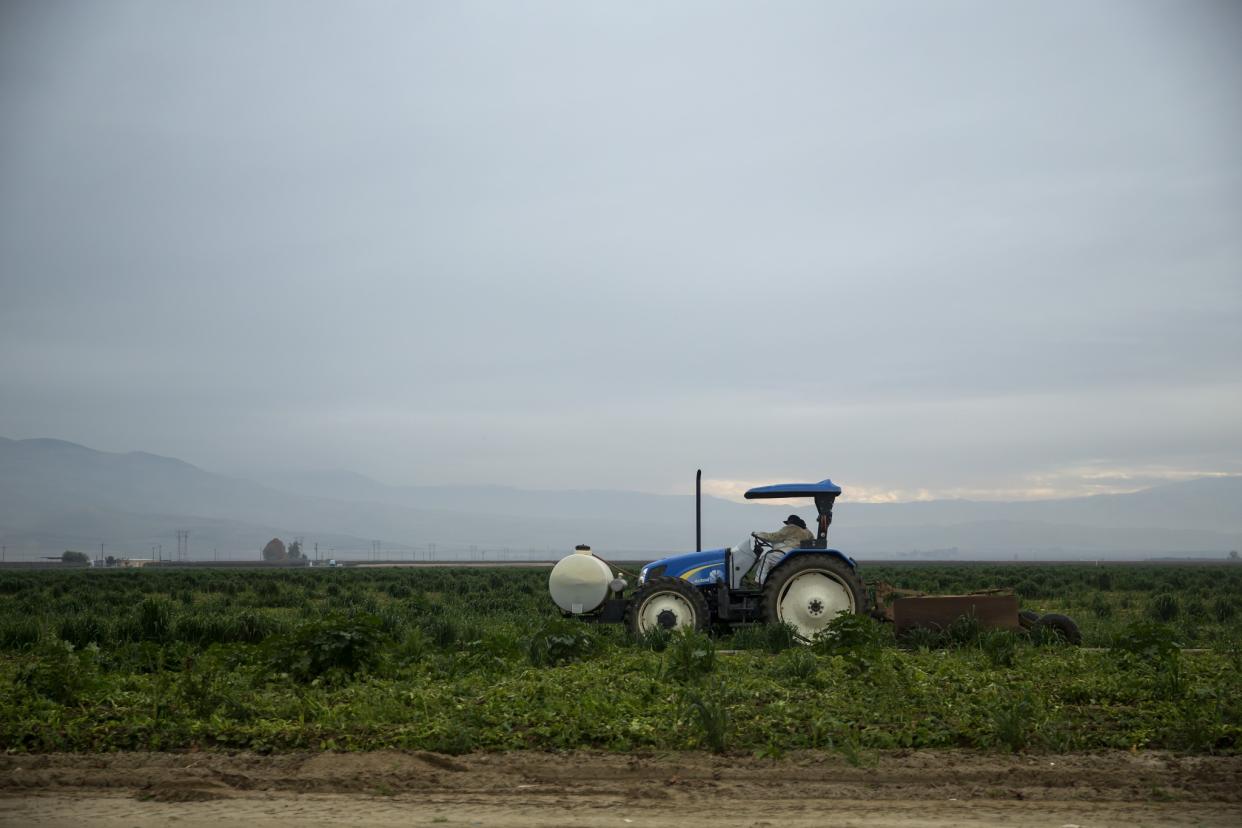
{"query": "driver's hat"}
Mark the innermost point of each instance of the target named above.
(795, 520)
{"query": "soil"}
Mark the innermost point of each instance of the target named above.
(904, 788)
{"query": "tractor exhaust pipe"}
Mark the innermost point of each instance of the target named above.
(698, 511)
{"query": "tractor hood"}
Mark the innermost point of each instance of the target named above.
(706, 567)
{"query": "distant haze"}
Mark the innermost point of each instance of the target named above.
(56, 495)
(977, 249)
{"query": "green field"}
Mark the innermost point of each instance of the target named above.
(455, 660)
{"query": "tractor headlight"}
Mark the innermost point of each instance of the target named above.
(650, 571)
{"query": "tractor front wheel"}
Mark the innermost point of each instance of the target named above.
(811, 590)
(667, 603)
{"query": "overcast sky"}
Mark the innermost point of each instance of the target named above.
(927, 249)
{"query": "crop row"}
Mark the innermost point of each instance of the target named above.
(205, 607)
(457, 660)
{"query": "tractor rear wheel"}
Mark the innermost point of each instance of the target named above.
(667, 603)
(811, 590)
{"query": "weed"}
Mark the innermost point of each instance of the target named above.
(779, 637)
(772, 750)
(963, 630)
(690, 656)
(334, 648)
(656, 639)
(1164, 607)
(851, 750)
(561, 642)
(20, 633)
(155, 618)
(1152, 647)
(1223, 609)
(747, 637)
(1000, 646)
(413, 647)
(1013, 720)
(849, 634)
(60, 672)
(798, 665)
(922, 638)
(712, 715)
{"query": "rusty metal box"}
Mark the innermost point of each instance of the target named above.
(938, 612)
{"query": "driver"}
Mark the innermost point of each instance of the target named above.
(791, 536)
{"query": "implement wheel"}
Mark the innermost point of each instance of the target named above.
(811, 590)
(1061, 625)
(667, 603)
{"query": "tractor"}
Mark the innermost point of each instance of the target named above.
(805, 587)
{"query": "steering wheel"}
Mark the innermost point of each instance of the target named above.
(761, 542)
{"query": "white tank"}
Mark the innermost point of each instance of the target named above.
(579, 582)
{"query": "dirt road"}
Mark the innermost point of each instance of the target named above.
(590, 789)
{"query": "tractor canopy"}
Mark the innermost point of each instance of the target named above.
(825, 493)
(823, 487)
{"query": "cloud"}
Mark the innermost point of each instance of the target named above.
(962, 250)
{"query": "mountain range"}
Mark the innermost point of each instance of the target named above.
(57, 495)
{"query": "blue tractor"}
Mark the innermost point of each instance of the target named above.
(805, 586)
